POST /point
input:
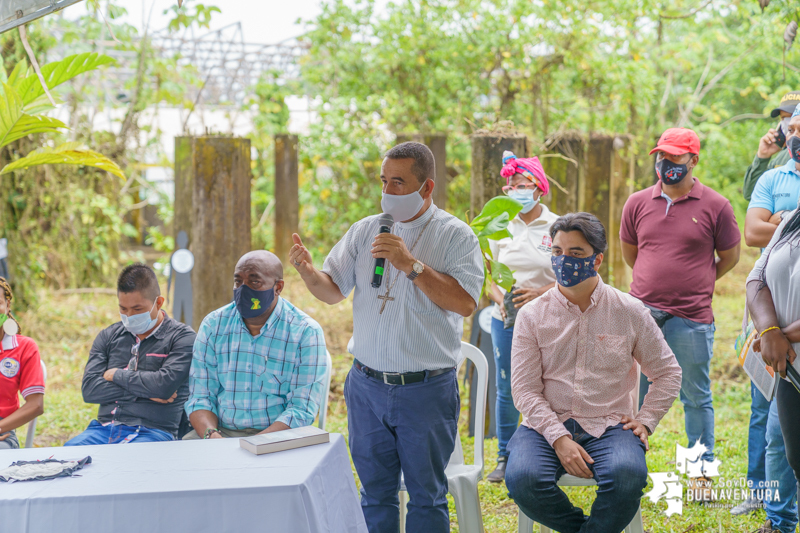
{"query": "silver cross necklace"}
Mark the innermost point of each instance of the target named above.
(386, 297)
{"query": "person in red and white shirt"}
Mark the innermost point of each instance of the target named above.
(20, 373)
(575, 363)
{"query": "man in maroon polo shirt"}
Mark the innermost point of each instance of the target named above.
(670, 233)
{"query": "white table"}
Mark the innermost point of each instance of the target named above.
(187, 486)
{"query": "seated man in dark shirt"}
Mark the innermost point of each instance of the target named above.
(138, 368)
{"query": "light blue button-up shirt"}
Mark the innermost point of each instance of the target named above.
(252, 382)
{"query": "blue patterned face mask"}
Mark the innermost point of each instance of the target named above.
(573, 270)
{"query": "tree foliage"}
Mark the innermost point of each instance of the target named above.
(623, 66)
(66, 223)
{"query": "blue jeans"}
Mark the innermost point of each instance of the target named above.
(693, 345)
(409, 428)
(505, 412)
(619, 468)
(97, 433)
(757, 438)
(783, 512)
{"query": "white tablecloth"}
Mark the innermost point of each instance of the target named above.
(188, 486)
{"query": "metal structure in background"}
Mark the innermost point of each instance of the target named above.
(14, 13)
(228, 66)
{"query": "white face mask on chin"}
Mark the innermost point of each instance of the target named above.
(403, 207)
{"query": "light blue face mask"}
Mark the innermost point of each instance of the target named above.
(525, 198)
(138, 324)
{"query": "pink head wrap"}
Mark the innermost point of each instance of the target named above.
(530, 167)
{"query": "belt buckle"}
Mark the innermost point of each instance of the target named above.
(402, 377)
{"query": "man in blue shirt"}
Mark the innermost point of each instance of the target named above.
(259, 363)
(775, 195)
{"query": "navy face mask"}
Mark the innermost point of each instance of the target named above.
(671, 173)
(252, 303)
(794, 148)
(573, 270)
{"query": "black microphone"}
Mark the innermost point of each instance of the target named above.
(385, 222)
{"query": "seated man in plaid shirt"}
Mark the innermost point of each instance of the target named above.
(259, 363)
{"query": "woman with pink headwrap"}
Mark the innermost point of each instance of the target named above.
(527, 253)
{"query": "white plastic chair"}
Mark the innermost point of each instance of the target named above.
(323, 407)
(525, 524)
(32, 423)
(462, 479)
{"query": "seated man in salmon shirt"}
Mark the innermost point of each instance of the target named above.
(574, 369)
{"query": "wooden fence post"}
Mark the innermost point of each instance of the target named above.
(623, 177)
(182, 218)
(287, 202)
(487, 161)
(212, 197)
(598, 179)
(438, 145)
(564, 167)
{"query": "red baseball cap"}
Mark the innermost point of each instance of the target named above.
(678, 141)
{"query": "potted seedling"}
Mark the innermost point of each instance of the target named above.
(492, 224)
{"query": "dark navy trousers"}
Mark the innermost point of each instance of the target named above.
(619, 469)
(409, 428)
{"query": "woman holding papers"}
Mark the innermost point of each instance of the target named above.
(773, 297)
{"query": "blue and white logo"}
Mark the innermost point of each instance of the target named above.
(9, 367)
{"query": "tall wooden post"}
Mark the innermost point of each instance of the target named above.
(438, 145)
(212, 198)
(487, 161)
(596, 188)
(564, 167)
(598, 179)
(623, 176)
(287, 202)
(182, 218)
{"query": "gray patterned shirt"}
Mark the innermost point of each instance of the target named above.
(413, 333)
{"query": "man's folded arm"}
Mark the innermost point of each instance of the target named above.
(308, 382)
(659, 365)
(94, 387)
(161, 383)
(527, 386)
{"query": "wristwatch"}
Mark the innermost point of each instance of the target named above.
(416, 270)
(209, 431)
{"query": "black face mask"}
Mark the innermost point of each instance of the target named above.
(794, 148)
(671, 173)
(252, 303)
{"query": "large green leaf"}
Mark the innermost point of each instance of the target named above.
(41, 105)
(492, 224)
(14, 124)
(485, 248)
(65, 154)
(502, 275)
(20, 72)
(493, 209)
(30, 88)
(496, 229)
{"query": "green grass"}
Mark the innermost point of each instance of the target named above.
(65, 326)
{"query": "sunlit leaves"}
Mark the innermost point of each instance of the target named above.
(65, 154)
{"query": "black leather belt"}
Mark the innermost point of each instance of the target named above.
(398, 378)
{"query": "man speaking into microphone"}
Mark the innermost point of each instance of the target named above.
(402, 392)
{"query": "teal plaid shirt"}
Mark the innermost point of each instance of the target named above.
(252, 382)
